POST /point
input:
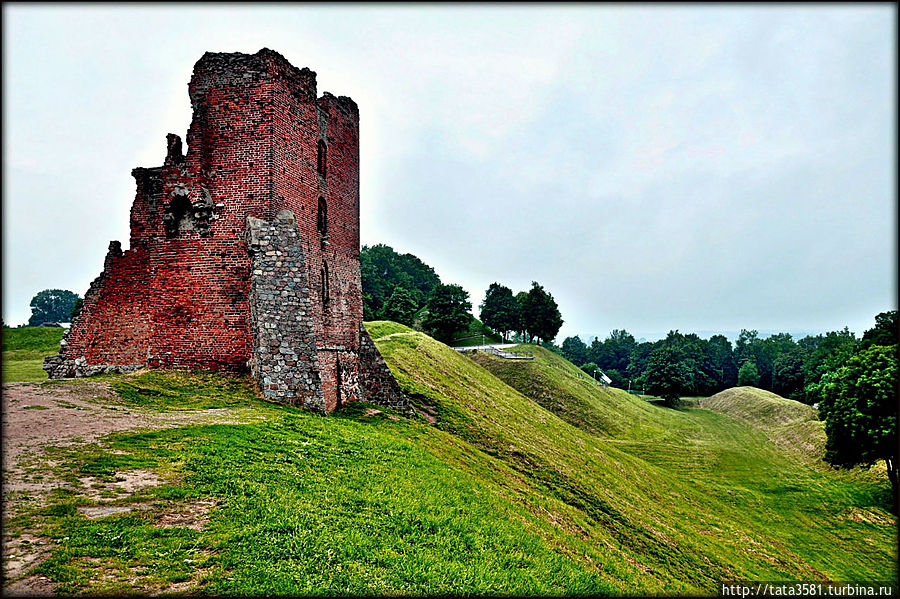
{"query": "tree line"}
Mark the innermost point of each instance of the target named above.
(701, 367)
(402, 288)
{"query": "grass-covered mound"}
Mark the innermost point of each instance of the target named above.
(671, 496)
(562, 388)
(595, 494)
(24, 350)
(790, 424)
(379, 329)
(759, 407)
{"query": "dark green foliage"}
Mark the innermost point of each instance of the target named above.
(721, 361)
(666, 376)
(884, 332)
(448, 311)
(590, 368)
(859, 406)
(500, 310)
(540, 314)
(748, 374)
(787, 374)
(825, 353)
(401, 307)
(383, 270)
(520, 323)
(52, 305)
(575, 350)
(763, 352)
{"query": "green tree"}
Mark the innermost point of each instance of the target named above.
(858, 403)
(76, 309)
(448, 311)
(575, 350)
(616, 351)
(640, 357)
(521, 297)
(540, 314)
(401, 307)
(825, 354)
(500, 310)
(665, 375)
(748, 375)
(52, 305)
(589, 368)
(787, 374)
(721, 359)
(383, 270)
(885, 330)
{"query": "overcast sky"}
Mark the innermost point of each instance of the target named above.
(691, 167)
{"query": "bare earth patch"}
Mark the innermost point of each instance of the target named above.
(38, 416)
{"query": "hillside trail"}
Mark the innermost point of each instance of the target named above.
(40, 416)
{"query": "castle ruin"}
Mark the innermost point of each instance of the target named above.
(244, 252)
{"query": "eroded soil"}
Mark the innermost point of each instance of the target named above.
(38, 416)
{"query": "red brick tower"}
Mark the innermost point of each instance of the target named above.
(245, 251)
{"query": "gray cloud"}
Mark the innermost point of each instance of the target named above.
(654, 167)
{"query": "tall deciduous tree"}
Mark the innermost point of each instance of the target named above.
(383, 270)
(449, 311)
(401, 307)
(540, 313)
(885, 330)
(52, 305)
(500, 310)
(748, 375)
(859, 406)
(787, 374)
(575, 350)
(665, 375)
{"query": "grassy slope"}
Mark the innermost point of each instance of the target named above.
(602, 493)
(24, 350)
(690, 495)
(789, 424)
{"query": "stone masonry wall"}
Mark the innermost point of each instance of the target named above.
(284, 360)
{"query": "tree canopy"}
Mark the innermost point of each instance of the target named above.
(859, 407)
(52, 305)
(400, 307)
(500, 310)
(748, 374)
(884, 332)
(383, 270)
(540, 314)
(448, 311)
(666, 376)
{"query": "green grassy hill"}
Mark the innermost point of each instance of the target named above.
(24, 350)
(789, 424)
(533, 480)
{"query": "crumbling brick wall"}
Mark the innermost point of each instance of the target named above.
(191, 292)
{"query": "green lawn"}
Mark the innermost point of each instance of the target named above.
(24, 350)
(534, 481)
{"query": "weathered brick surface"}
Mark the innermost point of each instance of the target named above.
(265, 155)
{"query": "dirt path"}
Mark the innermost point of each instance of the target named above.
(37, 416)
